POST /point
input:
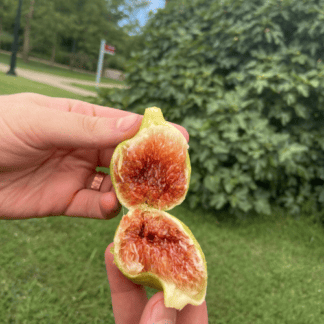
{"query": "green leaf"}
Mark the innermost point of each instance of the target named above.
(268, 37)
(240, 199)
(303, 90)
(188, 83)
(262, 206)
(212, 182)
(288, 152)
(210, 164)
(321, 197)
(301, 59)
(260, 84)
(314, 83)
(290, 98)
(300, 110)
(230, 184)
(218, 200)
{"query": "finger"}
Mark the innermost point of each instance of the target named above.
(105, 184)
(105, 157)
(93, 204)
(155, 312)
(56, 129)
(81, 107)
(128, 299)
(193, 314)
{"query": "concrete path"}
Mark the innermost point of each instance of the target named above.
(59, 81)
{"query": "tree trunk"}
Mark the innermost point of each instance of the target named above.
(26, 46)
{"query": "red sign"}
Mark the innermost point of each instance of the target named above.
(109, 49)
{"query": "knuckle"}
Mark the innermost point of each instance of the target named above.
(90, 127)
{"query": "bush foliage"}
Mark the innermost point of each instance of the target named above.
(246, 80)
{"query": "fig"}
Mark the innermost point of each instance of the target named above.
(154, 248)
(151, 173)
(152, 169)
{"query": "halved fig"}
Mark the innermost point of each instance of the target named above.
(154, 248)
(152, 169)
(151, 173)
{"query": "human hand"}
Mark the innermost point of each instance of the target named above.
(49, 150)
(131, 306)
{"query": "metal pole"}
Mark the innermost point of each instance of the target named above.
(15, 42)
(100, 61)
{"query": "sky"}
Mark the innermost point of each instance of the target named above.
(154, 5)
(142, 15)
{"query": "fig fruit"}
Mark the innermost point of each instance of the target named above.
(154, 248)
(152, 169)
(151, 173)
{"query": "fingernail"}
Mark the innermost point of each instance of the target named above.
(125, 123)
(163, 315)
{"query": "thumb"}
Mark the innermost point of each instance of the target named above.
(72, 130)
(155, 312)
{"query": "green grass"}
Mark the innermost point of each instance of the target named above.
(86, 87)
(262, 271)
(41, 67)
(12, 84)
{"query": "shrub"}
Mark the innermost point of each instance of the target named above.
(246, 80)
(81, 60)
(63, 57)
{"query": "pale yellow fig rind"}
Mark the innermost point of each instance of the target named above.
(173, 296)
(153, 117)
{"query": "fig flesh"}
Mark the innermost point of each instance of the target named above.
(154, 248)
(152, 169)
(151, 173)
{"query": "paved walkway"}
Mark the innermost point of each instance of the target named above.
(59, 81)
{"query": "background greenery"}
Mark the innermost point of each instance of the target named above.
(246, 80)
(69, 31)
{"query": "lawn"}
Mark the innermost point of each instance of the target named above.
(12, 84)
(264, 270)
(41, 67)
(86, 87)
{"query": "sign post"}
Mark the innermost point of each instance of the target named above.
(104, 48)
(100, 61)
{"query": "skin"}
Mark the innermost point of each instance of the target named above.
(49, 150)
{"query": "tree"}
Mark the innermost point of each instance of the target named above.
(83, 23)
(48, 26)
(28, 18)
(7, 15)
(129, 9)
